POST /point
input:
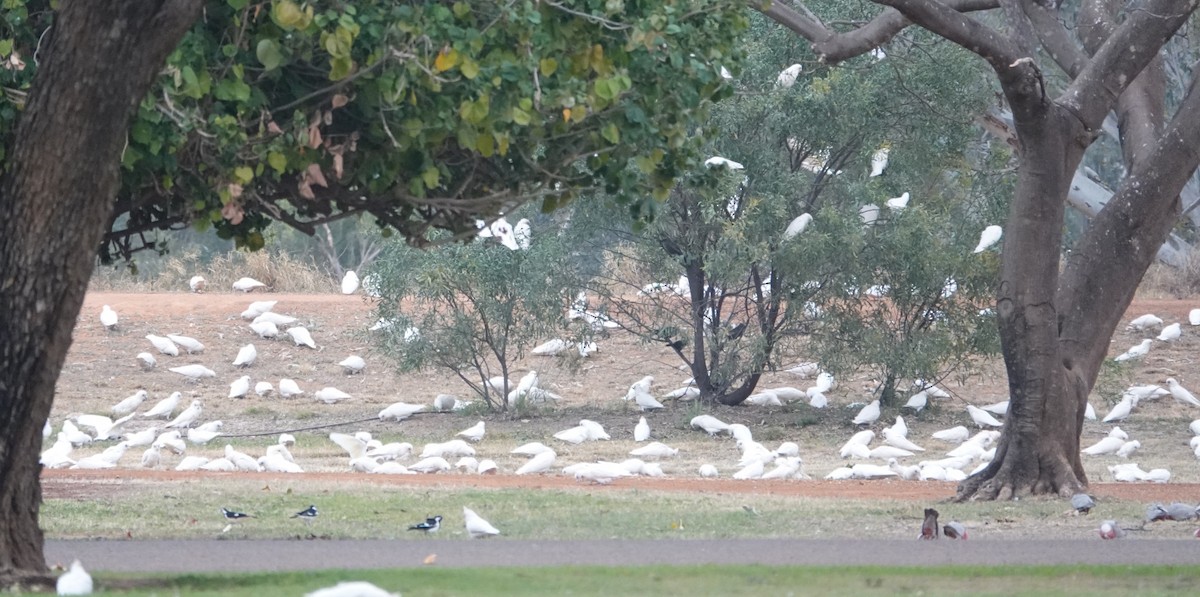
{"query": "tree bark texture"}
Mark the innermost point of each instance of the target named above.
(55, 198)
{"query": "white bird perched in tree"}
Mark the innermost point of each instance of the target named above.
(194, 372)
(1181, 393)
(476, 526)
(246, 356)
(654, 450)
(718, 161)
(869, 414)
(473, 433)
(75, 581)
(265, 329)
(188, 416)
(301, 336)
(1194, 317)
(1121, 410)
(240, 387)
(522, 234)
(146, 360)
(108, 318)
(879, 161)
(196, 284)
(349, 282)
(787, 77)
(1137, 352)
(330, 395)
(163, 345)
(191, 345)
(538, 464)
(353, 364)
(990, 236)
(898, 203)
(398, 411)
(1170, 333)
(247, 284)
(796, 226)
(868, 214)
(164, 407)
(982, 417)
(130, 404)
(954, 435)
(287, 388)
(1108, 445)
(641, 431)
(918, 401)
(1144, 322)
(709, 424)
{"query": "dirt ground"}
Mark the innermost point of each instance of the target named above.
(101, 370)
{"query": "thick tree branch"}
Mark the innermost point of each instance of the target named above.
(1055, 39)
(1124, 54)
(832, 46)
(997, 49)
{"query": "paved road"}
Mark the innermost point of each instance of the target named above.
(207, 555)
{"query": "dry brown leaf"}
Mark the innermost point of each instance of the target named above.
(337, 165)
(235, 190)
(430, 559)
(339, 100)
(315, 176)
(314, 135)
(274, 128)
(233, 212)
(305, 188)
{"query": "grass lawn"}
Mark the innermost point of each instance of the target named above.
(695, 580)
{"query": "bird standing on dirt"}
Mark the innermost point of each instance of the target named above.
(431, 525)
(476, 526)
(954, 530)
(75, 581)
(1109, 529)
(1083, 503)
(929, 528)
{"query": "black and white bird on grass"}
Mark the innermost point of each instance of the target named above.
(233, 517)
(308, 515)
(431, 525)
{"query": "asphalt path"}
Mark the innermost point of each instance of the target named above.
(214, 555)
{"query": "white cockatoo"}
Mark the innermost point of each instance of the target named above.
(641, 431)
(353, 364)
(247, 284)
(130, 404)
(787, 77)
(879, 161)
(240, 387)
(990, 236)
(1144, 322)
(718, 161)
(301, 336)
(146, 361)
(265, 329)
(476, 526)
(982, 418)
(194, 372)
(398, 411)
(538, 464)
(1171, 333)
(349, 282)
(246, 356)
(1180, 393)
(188, 416)
(869, 414)
(75, 581)
(898, 203)
(108, 318)
(797, 225)
(163, 345)
(330, 395)
(188, 343)
(289, 388)
(196, 284)
(709, 424)
(473, 433)
(164, 407)
(1137, 352)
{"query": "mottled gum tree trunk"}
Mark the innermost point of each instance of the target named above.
(57, 193)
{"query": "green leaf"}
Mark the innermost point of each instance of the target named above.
(430, 177)
(340, 68)
(6, 46)
(486, 145)
(547, 66)
(277, 161)
(611, 133)
(289, 16)
(268, 54)
(238, 4)
(461, 9)
(520, 116)
(243, 174)
(469, 68)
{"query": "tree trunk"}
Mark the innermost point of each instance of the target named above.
(55, 198)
